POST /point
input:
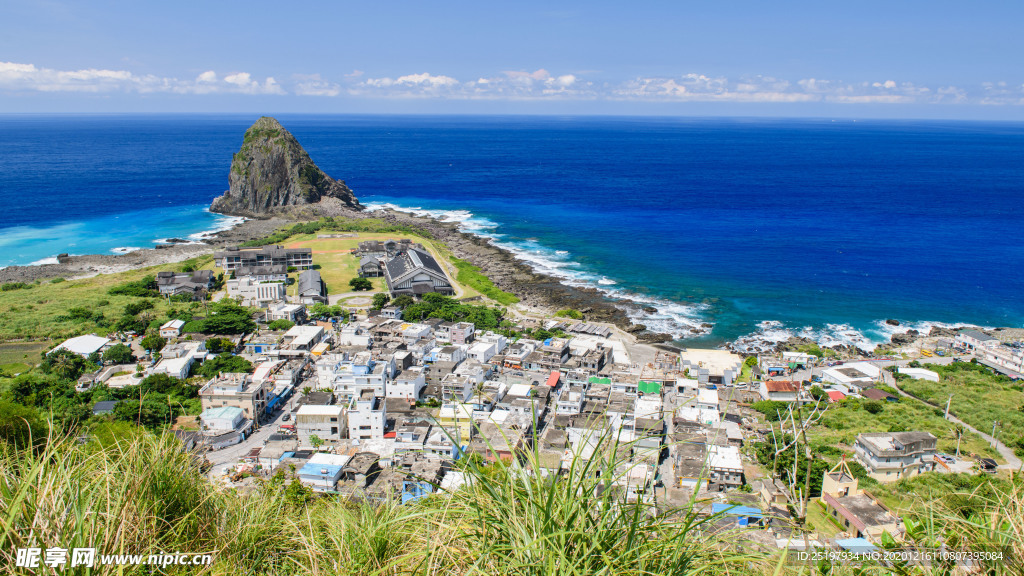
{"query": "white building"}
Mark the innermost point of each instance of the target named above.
(974, 340)
(303, 337)
(254, 292)
(322, 471)
(725, 466)
(282, 311)
(171, 328)
(712, 366)
(852, 377)
(366, 417)
(347, 378)
(919, 373)
(221, 420)
(83, 345)
(176, 360)
(409, 384)
(482, 351)
(324, 422)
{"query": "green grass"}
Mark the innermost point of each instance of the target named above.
(22, 352)
(33, 313)
(838, 429)
(470, 275)
(14, 368)
(979, 398)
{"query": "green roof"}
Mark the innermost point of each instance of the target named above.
(221, 412)
(596, 380)
(649, 387)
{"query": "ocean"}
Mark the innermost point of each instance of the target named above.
(728, 227)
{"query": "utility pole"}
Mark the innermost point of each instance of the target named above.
(947, 406)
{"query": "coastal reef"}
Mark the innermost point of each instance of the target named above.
(272, 173)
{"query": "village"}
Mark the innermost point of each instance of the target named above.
(366, 395)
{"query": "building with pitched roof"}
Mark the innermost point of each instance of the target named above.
(416, 273)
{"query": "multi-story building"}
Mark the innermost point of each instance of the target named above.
(347, 378)
(238, 390)
(550, 355)
(324, 422)
(889, 456)
(263, 256)
(366, 417)
(461, 333)
(195, 284)
(255, 292)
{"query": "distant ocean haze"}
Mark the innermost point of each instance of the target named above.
(773, 227)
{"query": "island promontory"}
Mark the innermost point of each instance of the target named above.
(273, 172)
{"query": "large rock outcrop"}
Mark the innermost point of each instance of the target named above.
(272, 173)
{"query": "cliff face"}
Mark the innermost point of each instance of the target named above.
(272, 172)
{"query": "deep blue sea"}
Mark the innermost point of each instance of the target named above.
(774, 227)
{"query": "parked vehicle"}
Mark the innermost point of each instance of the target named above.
(286, 418)
(945, 458)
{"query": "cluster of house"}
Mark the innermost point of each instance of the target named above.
(259, 275)
(407, 267)
(992, 351)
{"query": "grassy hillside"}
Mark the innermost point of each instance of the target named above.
(135, 493)
(980, 397)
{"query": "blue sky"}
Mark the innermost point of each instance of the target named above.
(891, 59)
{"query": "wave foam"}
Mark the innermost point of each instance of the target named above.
(42, 261)
(675, 318)
(125, 249)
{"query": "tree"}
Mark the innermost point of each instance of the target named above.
(380, 300)
(958, 432)
(64, 363)
(403, 301)
(818, 393)
(750, 362)
(316, 441)
(360, 284)
(224, 362)
(118, 354)
(218, 345)
(153, 342)
(874, 407)
(281, 324)
(21, 426)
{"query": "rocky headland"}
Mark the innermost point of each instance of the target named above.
(272, 172)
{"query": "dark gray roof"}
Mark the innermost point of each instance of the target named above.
(104, 407)
(368, 260)
(978, 335)
(267, 269)
(412, 259)
(310, 283)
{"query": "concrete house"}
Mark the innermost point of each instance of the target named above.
(171, 328)
(366, 417)
(322, 471)
(195, 284)
(255, 292)
(325, 422)
(234, 257)
(237, 390)
(889, 456)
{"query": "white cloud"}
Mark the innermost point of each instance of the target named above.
(538, 84)
(314, 85)
(18, 77)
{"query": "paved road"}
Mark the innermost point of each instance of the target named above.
(228, 457)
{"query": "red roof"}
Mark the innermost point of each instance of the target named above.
(836, 396)
(390, 434)
(781, 386)
(554, 378)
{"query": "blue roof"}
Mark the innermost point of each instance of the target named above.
(734, 510)
(860, 545)
(313, 469)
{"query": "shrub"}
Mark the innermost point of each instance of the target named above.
(153, 342)
(771, 409)
(14, 286)
(280, 324)
(118, 354)
(57, 280)
(380, 300)
(360, 284)
(224, 363)
(569, 313)
(133, 308)
(144, 288)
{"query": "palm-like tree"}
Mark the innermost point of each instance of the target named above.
(64, 365)
(958, 431)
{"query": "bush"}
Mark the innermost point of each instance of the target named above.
(360, 284)
(570, 313)
(118, 354)
(874, 407)
(144, 288)
(133, 308)
(772, 409)
(57, 280)
(224, 363)
(218, 345)
(153, 342)
(280, 324)
(14, 286)
(380, 300)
